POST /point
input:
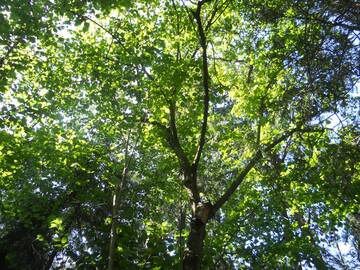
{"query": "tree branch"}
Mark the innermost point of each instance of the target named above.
(188, 13)
(171, 134)
(174, 145)
(253, 161)
(237, 61)
(205, 71)
(213, 19)
(113, 35)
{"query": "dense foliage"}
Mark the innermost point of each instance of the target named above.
(130, 129)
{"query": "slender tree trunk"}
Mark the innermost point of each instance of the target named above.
(113, 235)
(182, 220)
(114, 216)
(116, 205)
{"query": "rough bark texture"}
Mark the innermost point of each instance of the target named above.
(194, 251)
(202, 212)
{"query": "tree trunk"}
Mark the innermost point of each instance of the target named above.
(182, 221)
(50, 261)
(114, 216)
(194, 250)
(116, 205)
(113, 235)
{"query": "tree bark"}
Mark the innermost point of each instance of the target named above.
(114, 216)
(116, 206)
(194, 251)
(202, 212)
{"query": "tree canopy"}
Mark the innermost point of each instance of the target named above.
(179, 134)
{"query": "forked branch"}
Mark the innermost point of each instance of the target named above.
(174, 145)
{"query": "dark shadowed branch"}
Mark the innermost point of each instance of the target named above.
(206, 79)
